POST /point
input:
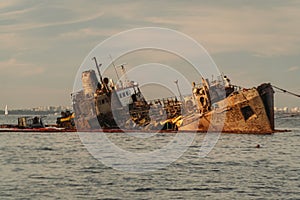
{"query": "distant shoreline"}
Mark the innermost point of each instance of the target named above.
(30, 112)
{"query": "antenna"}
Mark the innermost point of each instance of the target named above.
(97, 66)
(180, 95)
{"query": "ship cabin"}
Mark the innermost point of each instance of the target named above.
(117, 97)
(129, 94)
(208, 93)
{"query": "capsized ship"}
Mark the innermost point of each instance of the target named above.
(232, 109)
(103, 105)
(213, 105)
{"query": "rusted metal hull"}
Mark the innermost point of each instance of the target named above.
(245, 111)
(215, 108)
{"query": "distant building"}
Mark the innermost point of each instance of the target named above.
(287, 110)
(295, 110)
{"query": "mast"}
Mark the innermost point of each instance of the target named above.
(180, 95)
(97, 66)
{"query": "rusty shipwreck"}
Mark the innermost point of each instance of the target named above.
(212, 106)
(231, 108)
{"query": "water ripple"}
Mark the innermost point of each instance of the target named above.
(57, 166)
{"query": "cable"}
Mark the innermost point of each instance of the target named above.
(285, 91)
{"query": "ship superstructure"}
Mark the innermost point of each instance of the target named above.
(103, 105)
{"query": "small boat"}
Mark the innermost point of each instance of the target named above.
(29, 122)
(36, 124)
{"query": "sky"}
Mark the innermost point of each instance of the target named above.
(43, 43)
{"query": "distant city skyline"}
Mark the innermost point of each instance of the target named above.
(43, 43)
(41, 108)
(287, 109)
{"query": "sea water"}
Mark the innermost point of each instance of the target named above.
(59, 166)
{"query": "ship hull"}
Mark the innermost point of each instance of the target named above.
(245, 111)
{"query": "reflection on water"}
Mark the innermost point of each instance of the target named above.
(57, 165)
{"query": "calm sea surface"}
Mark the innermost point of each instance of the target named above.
(58, 166)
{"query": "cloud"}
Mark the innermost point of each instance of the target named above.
(30, 26)
(87, 33)
(54, 36)
(26, 24)
(7, 4)
(293, 68)
(266, 29)
(13, 13)
(13, 67)
(270, 31)
(27, 15)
